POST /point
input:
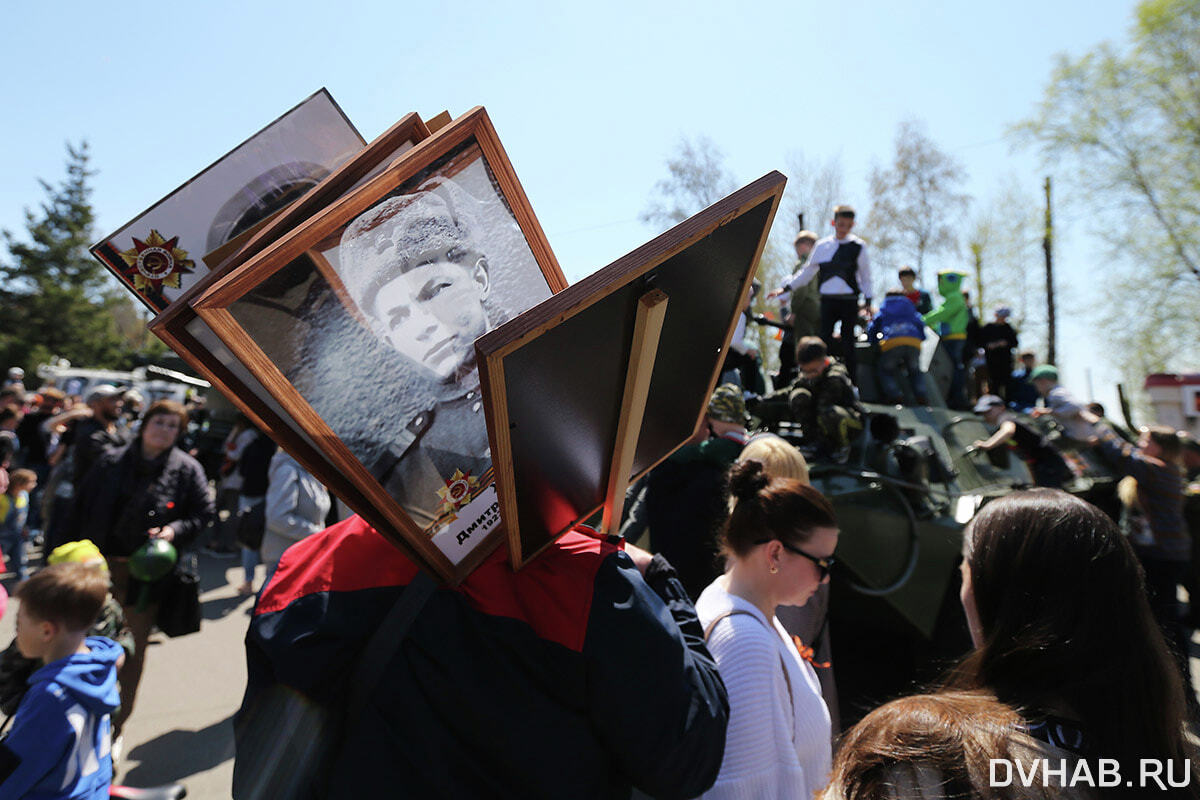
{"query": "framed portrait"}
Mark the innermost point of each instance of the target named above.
(361, 325)
(188, 335)
(558, 377)
(158, 255)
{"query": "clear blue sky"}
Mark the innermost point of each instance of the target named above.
(588, 99)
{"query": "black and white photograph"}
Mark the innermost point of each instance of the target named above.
(375, 329)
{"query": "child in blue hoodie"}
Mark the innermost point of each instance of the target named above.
(59, 745)
(901, 330)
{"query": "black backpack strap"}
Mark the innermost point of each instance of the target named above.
(384, 643)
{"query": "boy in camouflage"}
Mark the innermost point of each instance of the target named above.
(822, 400)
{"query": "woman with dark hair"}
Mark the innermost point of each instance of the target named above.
(148, 489)
(778, 543)
(1068, 667)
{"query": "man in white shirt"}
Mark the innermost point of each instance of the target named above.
(843, 269)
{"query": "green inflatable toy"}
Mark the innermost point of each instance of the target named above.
(151, 562)
(949, 320)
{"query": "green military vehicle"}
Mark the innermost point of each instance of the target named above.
(910, 485)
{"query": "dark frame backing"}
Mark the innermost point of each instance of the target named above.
(554, 376)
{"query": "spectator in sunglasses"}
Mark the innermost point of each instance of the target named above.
(778, 542)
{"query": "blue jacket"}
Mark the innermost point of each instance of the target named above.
(899, 323)
(61, 736)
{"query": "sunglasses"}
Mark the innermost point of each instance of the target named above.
(824, 565)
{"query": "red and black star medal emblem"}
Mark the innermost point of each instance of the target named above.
(155, 263)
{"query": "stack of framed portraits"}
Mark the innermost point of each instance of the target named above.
(351, 316)
(359, 326)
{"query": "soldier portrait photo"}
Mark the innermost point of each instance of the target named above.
(379, 334)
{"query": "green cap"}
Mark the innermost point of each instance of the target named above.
(1048, 371)
(727, 405)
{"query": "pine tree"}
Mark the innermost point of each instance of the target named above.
(55, 299)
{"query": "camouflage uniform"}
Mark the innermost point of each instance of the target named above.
(826, 407)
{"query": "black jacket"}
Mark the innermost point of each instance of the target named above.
(90, 439)
(123, 496)
(572, 678)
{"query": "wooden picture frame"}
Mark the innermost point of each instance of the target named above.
(158, 255)
(592, 388)
(188, 335)
(323, 317)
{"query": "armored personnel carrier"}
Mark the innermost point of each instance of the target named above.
(911, 484)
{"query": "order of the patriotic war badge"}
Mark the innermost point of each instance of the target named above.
(155, 262)
(459, 489)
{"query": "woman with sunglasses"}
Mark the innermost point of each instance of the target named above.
(778, 543)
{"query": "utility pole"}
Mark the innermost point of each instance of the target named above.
(1048, 247)
(977, 254)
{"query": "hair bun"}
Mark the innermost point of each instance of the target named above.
(747, 478)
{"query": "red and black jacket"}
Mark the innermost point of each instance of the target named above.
(572, 678)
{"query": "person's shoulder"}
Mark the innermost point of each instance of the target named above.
(727, 618)
(721, 450)
(578, 552)
(837, 373)
(738, 639)
(111, 455)
(555, 593)
(1059, 396)
(346, 557)
(184, 462)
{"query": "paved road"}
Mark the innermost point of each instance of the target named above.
(181, 727)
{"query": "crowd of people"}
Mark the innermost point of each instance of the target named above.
(1076, 651)
(830, 294)
(92, 480)
(601, 669)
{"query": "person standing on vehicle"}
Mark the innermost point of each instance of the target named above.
(803, 309)
(949, 321)
(998, 340)
(908, 285)
(1023, 394)
(843, 271)
(900, 331)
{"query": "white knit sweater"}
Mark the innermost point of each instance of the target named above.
(776, 747)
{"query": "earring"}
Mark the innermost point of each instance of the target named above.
(774, 568)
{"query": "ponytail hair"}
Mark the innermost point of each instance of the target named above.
(770, 508)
